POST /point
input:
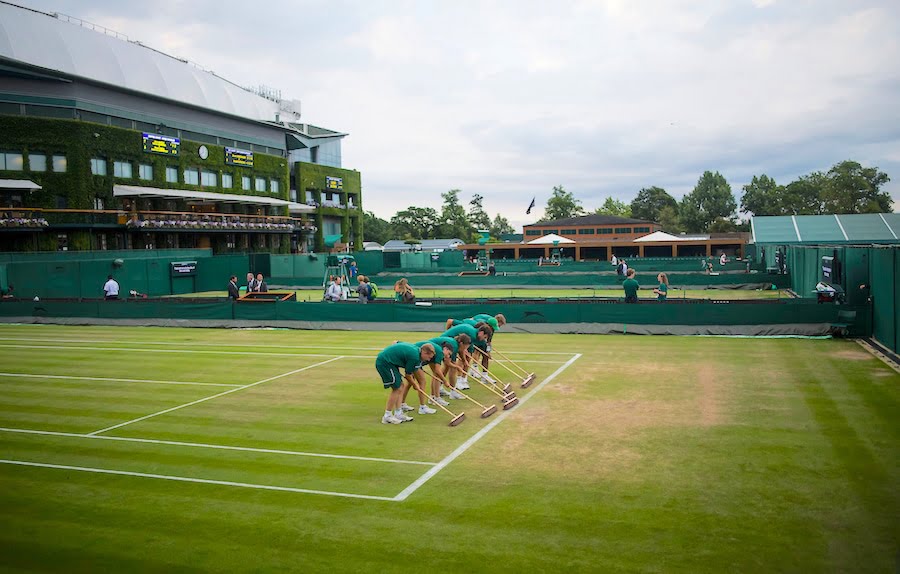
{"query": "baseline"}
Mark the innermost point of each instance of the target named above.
(110, 379)
(196, 480)
(216, 446)
(406, 492)
(319, 364)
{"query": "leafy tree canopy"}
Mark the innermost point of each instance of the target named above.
(614, 207)
(852, 188)
(711, 198)
(650, 201)
(562, 205)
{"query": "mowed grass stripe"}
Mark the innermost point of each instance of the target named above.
(223, 393)
(107, 380)
(339, 474)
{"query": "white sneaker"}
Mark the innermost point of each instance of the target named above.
(406, 408)
(454, 394)
(444, 392)
(403, 417)
(390, 420)
(426, 410)
(462, 385)
(487, 379)
(473, 371)
(439, 401)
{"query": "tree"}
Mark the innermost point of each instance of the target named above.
(416, 222)
(454, 222)
(711, 198)
(804, 196)
(852, 188)
(478, 218)
(668, 219)
(762, 196)
(650, 201)
(562, 205)
(376, 229)
(501, 226)
(614, 207)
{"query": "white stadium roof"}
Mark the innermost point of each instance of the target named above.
(49, 42)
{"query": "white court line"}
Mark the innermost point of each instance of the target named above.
(32, 376)
(216, 446)
(223, 344)
(214, 396)
(477, 436)
(198, 480)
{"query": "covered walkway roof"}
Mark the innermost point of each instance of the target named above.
(141, 191)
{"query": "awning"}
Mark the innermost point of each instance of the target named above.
(330, 240)
(295, 207)
(550, 239)
(141, 191)
(18, 184)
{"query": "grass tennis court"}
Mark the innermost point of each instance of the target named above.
(152, 449)
(645, 293)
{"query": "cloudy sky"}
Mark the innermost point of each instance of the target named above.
(509, 98)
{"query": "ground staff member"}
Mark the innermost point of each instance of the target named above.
(388, 364)
(495, 321)
(663, 288)
(480, 338)
(111, 288)
(445, 360)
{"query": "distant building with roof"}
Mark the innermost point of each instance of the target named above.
(427, 245)
(106, 143)
(601, 226)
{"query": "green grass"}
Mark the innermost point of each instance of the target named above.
(426, 293)
(661, 454)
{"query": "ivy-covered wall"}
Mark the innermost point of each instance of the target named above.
(311, 183)
(80, 141)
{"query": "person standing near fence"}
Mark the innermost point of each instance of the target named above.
(631, 286)
(111, 288)
(663, 288)
(233, 291)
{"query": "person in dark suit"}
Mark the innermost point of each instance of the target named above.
(251, 283)
(261, 285)
(233, 291)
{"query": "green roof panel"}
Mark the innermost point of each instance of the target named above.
(819, 228)
(774, 229)
(865, 227)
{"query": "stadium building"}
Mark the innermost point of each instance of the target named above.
(108, 144)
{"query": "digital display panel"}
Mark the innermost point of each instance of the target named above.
(164, 145)
(334, 182)
(241, 157)
(182, 268)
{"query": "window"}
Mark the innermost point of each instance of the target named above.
(192, 176)
(98, 166)
(260, 184)
(208, 178)
(245, 182)
(37, 162)
(60, 164)
(98, 203)
(642, 230)
(585, 232)
(314, 154)
(273, 185)
(172, 174)
(122, 169)
(569, 232)
(532, 232)
(145, 171)
(549, 231)
(604, 231)
(294, 195)
(227, 180)
(11, 161)
(623, 230)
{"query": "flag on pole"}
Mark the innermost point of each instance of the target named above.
(530, 207)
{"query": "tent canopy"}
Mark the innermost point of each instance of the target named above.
(549, 239)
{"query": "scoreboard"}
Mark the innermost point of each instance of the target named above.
(234, 156)
(164, 145)
(334, 182)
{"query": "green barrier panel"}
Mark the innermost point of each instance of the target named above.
(124, 254)
(581, 280)
(4, 283)
(369, 262)
(153, 309)
(308, 268)
(213, 272)
(885, 284)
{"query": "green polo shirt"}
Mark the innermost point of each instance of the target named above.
(469, 330)
(631, 287)
(402, 355)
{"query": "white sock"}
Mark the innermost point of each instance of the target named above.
(398, 412)
(387, 413)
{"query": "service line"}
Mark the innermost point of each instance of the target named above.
(223, 393)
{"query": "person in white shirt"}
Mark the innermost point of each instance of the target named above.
(111, 288)
(615, 261)
(334, 291)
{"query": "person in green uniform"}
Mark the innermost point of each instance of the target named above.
(446, 350)
(630, 285)
(663, 288)
(480, 337)
(388, 364)
(495, 321)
